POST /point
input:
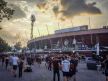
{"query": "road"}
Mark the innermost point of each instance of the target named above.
(40, 73)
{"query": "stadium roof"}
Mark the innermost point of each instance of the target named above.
(86, 32)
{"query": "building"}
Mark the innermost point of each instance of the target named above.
(80, 40)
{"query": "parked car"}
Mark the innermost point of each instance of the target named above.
(91, 63)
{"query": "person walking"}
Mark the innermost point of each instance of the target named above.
(15, 60)
(3, 60)
(20, 66)
(73, 67)
(65, 68)
(50, 63)
(6, 62)
(56, 66)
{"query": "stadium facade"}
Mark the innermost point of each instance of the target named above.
(79, 39)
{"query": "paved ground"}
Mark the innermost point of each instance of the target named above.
(42, 74)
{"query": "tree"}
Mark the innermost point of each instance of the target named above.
(0, 28)
(17, 46)
(5, 11)
(4, 47)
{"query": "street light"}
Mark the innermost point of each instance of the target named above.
(32, 24)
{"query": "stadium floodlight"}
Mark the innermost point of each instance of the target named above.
(33, 19)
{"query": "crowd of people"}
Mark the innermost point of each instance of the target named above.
(57, 63)
(65, 63)
(15, 63)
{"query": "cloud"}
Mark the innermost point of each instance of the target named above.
(19, 13)
(37, 1)
(6, 35)
(29, 1)
(42, 6)
(11, 36)
(71, 8)
(104, 4)
(55, 0)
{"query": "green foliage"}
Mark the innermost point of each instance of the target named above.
(4, 47)
(5, 11)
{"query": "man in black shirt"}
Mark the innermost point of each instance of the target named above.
(20, 65)
(73, 68)
(56, 66)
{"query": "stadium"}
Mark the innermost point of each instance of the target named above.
(78, 39)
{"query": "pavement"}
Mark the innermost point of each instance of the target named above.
(40, 73)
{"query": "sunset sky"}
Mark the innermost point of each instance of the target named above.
(48, 13)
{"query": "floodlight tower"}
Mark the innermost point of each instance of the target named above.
(33, 19)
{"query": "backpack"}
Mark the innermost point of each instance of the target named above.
(28, 69)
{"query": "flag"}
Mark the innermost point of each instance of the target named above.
(97, 48)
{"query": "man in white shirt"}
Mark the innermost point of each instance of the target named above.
(65, 68)
(15, 60)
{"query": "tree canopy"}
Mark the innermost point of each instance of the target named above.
(0, 28)
(17, 46)
(4, 47)
(5, 11)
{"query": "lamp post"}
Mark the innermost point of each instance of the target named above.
(32, 24)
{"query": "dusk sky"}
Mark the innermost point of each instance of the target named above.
(48, 13)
